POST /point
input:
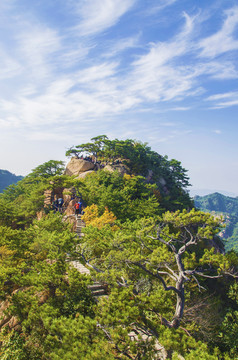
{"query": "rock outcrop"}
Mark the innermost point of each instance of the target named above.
(84, 174)
(78, 166)
(122, 169)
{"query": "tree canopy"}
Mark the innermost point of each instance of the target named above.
(169, 175)
(172, 291)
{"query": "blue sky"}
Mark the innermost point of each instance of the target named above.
(163, 72)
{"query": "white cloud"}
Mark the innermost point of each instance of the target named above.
(36, 47)
(97, 16)
(180, 108)
(117, 47)
(161, 4)
(223, 96)
(91, 88)
(224, 100)
(89, 75)
(157, 75)
(222, 41)
(9, 67)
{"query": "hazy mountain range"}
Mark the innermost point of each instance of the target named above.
(7, 178)
(203, 192)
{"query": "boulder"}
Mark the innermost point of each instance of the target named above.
(67, 199)
(78, 166)
(70, 208)
(122, 169)
(109, 168)
(84, 174)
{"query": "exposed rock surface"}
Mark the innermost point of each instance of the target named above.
(122, 169)
(78, 166)
(84, 174)
(70, 207)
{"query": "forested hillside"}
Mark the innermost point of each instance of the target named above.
(7, 178)
(227, 207)
(171, 290)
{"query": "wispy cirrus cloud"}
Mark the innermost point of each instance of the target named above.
(97, 87)
(115, 48)
(36, 48)
(158, 75)
(224, 100)
(97, 16)
(223, 40)
(160, 5)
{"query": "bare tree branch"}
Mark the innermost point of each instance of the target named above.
(198, 284)
(166, 288)
(166, 273)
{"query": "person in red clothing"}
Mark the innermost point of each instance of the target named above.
(78, 207)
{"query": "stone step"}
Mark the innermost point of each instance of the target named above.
(100, 292)
(97, 289)
(97, 286)
(80, 267)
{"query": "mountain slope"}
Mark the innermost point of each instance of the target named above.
(7, 178)
(226, 206)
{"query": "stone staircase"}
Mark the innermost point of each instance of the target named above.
(80, 267)
(97, 289)
(79, 226)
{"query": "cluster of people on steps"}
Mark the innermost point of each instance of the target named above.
(57, 205)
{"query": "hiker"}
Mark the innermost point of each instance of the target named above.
(55, 205)
(60, 204)
(78, 207)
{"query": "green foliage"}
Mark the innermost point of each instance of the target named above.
(12, 347)
(95, 148)
(217, 202)
(127, 197)
(229, 330)
(136, 256)
(158, 266)
(41, 289)
(169, 175)
(48, 169)
(20, 203)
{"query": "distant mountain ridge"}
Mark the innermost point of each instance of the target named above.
(218, 202)
(226, 206)
(203, 192)
(7, 178)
